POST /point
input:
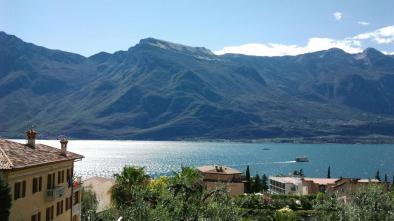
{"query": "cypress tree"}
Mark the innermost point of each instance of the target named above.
(265, 183)
(257, 186)
(385, 178)
(392, 184)
(377, 176)
(248, 184)
(329, 172)
(5, 200)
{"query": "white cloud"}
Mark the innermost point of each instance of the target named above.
(337, 16)
(350, 45)
(383, 35)
(273, 49)
(363, 23)
(388, 53)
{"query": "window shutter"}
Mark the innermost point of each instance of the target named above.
(16, 191)
(40, 184)
(47, 214)
(23, 188)
(49, 181)
(34, 185)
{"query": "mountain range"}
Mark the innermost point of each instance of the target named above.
(158, 90)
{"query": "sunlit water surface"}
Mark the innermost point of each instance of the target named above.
(104, 158)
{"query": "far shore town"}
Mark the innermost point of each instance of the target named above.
(43, 185)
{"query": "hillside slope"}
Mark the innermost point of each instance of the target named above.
(163, 91)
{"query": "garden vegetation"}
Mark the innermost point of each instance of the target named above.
(183, 196)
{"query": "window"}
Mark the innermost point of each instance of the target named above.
(68, 175)
(36, 217)
(51, 181)
(37, 184)
(19, 190)
(60, 177)
(59, 208)
(68, 203)
(49, 214)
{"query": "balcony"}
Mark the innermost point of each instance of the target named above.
(55, 193)
(76, 208)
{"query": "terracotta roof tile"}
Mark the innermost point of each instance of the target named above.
(15, 155)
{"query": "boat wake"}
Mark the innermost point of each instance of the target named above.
(260, 163)
(285, 162)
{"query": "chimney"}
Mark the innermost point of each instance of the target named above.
(63, 143)
(31, 137)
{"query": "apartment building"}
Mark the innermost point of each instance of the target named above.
(286, 185)
(41, 179)
(295, 185)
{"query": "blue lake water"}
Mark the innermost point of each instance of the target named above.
(104, 158)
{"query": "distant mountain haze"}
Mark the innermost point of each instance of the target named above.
(158, 90)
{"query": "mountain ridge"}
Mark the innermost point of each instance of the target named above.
(159, 90)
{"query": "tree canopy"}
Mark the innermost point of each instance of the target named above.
(5, 199)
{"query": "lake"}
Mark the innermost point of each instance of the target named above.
(104, 158)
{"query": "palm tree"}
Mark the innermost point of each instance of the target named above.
(130, 179)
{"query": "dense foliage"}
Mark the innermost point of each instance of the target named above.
(88, 204)
(5, 200)
(183, 196)
(373, 202)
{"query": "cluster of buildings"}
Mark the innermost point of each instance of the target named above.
(41, 179)
(214, 176)
(295, 185)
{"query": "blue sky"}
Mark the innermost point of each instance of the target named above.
(249, 26)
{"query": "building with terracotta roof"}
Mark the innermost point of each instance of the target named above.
(215, 176)
(346, 185)
(41, 179)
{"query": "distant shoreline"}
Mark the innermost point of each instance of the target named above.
(296, 140)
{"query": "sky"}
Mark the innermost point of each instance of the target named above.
(253, 27)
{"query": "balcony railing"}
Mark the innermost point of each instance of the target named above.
(76, 208)
(55, 193)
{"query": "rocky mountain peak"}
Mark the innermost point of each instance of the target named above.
(199, 52)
